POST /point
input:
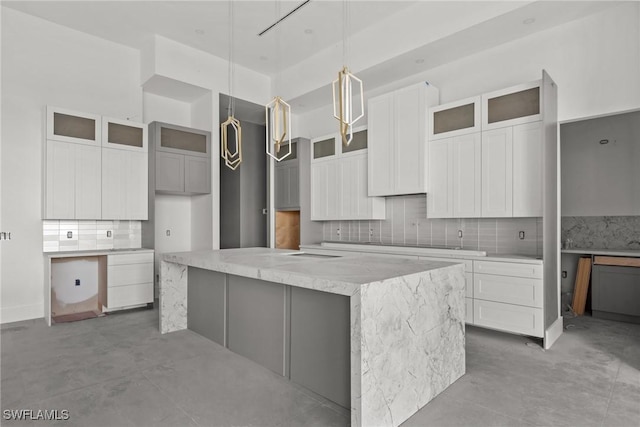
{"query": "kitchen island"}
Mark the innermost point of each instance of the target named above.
(390, 332)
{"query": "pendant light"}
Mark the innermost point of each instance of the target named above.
(277, 113)
(345, 109)
(232, 156)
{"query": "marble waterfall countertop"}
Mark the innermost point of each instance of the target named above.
(342, 275)
(407, 316)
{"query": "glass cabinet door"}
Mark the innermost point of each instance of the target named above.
(124, 134)
(512, 106)
(177, 139)
(71, 126)
(324, 148)
(455, 118)
(359, 142)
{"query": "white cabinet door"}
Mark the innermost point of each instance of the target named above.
(114, 174)
(136, 191)
(381, 142)
(88, 182)
(60, 180)
(197, 174)
(467, 176)
(527, 170)
(410, 140)
(319, 191)
(497, 173)
(334, 189)
(124, 184)
(439, 195)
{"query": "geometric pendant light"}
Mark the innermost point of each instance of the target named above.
(345, 88)
(231, 149)
(277, 114)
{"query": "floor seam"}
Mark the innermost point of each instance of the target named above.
(613, 388)
(170, 399)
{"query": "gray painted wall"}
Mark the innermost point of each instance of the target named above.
(243, 194)
(597, 179)
(310, 231)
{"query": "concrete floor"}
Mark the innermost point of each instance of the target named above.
(119, 371)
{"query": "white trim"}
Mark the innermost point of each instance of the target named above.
(552, 333)
(598, 116)
(21, 312)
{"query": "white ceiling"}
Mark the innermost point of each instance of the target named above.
(398, 38)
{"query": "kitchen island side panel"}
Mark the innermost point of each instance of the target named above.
(206, 299)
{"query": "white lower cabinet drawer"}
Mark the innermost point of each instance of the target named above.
(513, 290)
(129, 274)
(533, 271)
(130, 258)
(124, 296)
(508, 317)
(469, 313)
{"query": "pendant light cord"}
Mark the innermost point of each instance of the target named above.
(231, 107)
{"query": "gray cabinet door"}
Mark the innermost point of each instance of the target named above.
(616, 293)
(320, 343)
(197, 175)
(257, 321)
(169, 172)
(206, 299)
(287, 185)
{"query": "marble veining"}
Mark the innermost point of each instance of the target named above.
(407, 318)
(602, 232)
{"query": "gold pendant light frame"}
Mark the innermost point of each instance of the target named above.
(278, 119)
(231, 158)
(343, 103)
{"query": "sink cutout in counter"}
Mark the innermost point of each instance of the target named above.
(305, 255)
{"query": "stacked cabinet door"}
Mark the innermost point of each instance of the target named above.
(398, 126)
(72, 165)
(124, 170)
(182, 159)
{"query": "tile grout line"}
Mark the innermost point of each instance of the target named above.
(613, 387)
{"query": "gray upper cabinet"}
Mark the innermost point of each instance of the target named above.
(182, 159)
(287, 180)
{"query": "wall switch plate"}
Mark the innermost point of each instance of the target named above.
(77, 282)
(521, 235)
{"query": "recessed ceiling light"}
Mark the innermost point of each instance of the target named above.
(419, 61)
(200, 32)
(308, 31)
(529, 21)
(263, 58)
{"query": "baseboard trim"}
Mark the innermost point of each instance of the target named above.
(552, 334)
(21, 312)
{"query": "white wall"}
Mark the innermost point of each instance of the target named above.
(595, 61)
(44, 63)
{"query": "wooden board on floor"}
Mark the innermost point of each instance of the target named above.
(581, 286)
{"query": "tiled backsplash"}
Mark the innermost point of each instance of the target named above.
(602, 232)
(59, 236)
(407, 224)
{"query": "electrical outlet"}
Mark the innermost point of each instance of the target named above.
(460, 234)
(521, 235)
(69, 234)
(77, 282)
(108, 233)
(371, 232)
(338, 231)
(564, 274)
(168, 232)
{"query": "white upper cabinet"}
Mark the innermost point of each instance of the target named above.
(455, 177)
(512, 106)
(124, 135)
(73, 126)
(84, 178)
(497, 173)
(398, 126)
(527, 170)
(339, 180)
(455, 118)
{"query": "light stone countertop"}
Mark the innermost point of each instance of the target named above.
(423, 251)
(611, 252)
(342, 275)
(96, 252)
